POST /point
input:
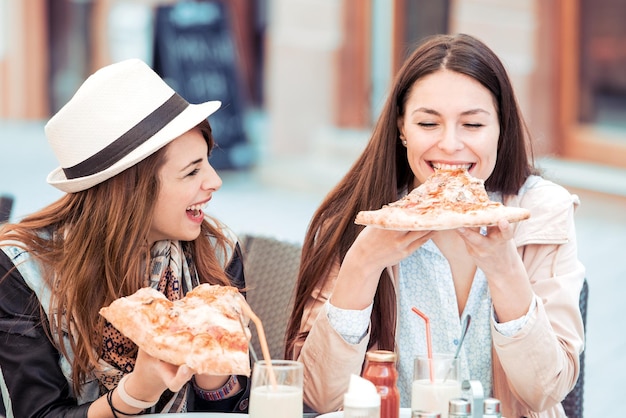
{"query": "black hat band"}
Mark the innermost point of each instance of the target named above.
(130, 140)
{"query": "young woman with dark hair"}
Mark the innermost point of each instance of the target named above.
(451, 105)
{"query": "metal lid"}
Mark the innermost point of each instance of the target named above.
(425, 414)
(459, 407)
(381, 356)
(492, 406)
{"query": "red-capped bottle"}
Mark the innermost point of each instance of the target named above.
(380, 369)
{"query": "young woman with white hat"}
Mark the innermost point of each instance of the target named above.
(134, 163)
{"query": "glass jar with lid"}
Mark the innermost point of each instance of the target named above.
(380, 369)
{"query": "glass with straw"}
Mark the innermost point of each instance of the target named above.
(276, 389)
(435, 377)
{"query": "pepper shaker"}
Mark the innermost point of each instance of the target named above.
(492, 408)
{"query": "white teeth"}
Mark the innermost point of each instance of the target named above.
(195, 207)
(440, 166)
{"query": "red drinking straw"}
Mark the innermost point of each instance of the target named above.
(429, 343)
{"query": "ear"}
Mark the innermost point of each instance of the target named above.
(400, 123)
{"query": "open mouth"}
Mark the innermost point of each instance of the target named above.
(195, 211)
(441, 166)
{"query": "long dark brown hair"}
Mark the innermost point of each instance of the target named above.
(92, 247)
(382, 171)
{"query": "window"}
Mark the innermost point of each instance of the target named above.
(603, 64)
(593, 80)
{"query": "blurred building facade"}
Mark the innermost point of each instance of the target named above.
(319, 70)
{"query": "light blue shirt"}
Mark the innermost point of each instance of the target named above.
(426, 283)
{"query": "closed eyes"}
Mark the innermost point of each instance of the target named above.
(194, 172)
(433, 124)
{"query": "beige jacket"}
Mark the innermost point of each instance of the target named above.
(532, 371)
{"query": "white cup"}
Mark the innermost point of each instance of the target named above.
(435, 382)
(281, 398)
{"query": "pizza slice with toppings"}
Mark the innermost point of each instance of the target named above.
(448, 199)
(206, 330)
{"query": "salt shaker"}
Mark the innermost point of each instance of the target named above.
(361, 400)
(459, 407)
(424, 414)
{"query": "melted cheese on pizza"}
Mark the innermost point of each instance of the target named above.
(214, 313)
(452, 190)
(448, 199)
(206, 329)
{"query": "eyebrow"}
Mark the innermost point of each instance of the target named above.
(434, 112)
(191, 164)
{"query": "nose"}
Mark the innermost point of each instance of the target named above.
(450, 142)
(212, 180)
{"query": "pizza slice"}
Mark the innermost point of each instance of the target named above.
(448, 199)
(207, 329)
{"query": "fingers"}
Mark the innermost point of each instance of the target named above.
(417, 239)
(173, 376)
(471, 234)
(502, 230)
(182, 376)
(160, 374)
(505, 229)
(403, 238)
(377, 248)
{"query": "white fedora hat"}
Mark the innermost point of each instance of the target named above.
(120, 115)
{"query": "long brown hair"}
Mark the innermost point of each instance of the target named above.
(92, 247)
(382, 171)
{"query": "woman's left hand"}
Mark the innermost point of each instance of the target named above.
(496, 255)
(494, 252)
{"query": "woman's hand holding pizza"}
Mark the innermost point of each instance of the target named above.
(382, 248)
(496, 255)
(154, 376)
(372, 251)
(452, 199)
(494, 251)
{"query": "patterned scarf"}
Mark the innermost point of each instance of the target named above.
(173, 273)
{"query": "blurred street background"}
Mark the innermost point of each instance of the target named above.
(302, 82)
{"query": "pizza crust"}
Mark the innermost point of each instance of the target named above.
(449, 199)
(401, 220)
(203, 330)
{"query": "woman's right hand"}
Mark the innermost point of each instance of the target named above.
(152, 376)
(373, 250)
(146, 382)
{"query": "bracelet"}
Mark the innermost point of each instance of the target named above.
(117, 411)
(129, 400)
(217, 394)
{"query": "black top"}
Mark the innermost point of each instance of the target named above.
(29, 361)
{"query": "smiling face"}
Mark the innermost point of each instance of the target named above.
(187, 183)
(450, 119)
